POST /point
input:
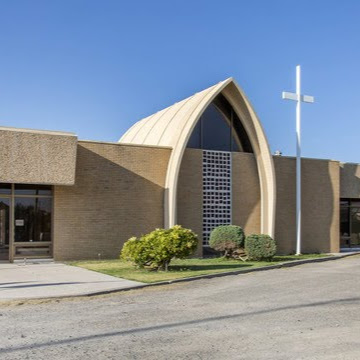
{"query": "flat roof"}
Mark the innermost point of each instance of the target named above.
(304, 158)
(124, 144)
(36, 131)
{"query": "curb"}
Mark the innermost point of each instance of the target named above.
(246, 271)
(286, 264)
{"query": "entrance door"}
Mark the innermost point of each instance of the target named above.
(355, 227)
(349, 223)
(32, 226)
(4, 228)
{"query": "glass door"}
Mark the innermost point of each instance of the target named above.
(32, 236)
(355, 227)
(349, 223)
(4, 228)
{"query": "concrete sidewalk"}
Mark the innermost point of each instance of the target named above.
(50, 279)
(47, 279)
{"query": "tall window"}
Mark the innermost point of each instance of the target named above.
(220, 129)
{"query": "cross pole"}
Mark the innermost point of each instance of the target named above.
(299, 99)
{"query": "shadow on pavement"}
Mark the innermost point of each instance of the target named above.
(51, 284)
(173, 325)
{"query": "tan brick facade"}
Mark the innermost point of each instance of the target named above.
(320, 205)
(246, 206)
(105, 193)
(245, 193)
(320, 208)
(118, 193)
(190, 194)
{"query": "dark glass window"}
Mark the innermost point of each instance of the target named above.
(350, 223)
(355, 226)
(5, 189)
(4, 223)
(33, 219)
(195, 138)
(219, 128)
(216, 132)
(344, 221)
(240, 134)
(234, 144)
(28, 189)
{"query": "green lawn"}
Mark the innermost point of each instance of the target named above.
(180, 268)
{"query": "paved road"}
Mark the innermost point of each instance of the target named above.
(306, 312)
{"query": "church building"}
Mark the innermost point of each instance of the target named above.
(202, 162)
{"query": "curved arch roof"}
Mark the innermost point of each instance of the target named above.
(164, 127)
(173, 127)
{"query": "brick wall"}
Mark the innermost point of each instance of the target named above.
(320, 205)
(118, 193)
(245, 193)
(190, 193)
(246, 206)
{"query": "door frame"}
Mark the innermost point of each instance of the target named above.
(347, 238)
(12, 244)
(9, 197)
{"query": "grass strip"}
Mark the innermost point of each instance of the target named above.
(180, 269)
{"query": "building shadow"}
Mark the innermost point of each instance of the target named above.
(118, 193)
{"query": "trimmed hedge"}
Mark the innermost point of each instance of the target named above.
(227, 239)
(260, 247)
(156, 249)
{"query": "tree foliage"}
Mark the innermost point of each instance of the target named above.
(156, 249)
(260, 247)
(227, 239)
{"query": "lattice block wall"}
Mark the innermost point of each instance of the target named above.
(216, 191)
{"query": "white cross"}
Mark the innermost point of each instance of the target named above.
(299, 99)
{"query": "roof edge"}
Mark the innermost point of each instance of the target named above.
(37, 131)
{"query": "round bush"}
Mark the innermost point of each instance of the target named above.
(260, 247)
(136, 251)
(227, 239)
(157, 248)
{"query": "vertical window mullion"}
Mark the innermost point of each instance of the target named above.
(201, 133)
(350, 223)
(231, 129)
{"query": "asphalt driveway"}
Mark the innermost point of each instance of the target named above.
(306, 312)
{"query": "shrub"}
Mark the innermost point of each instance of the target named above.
(137, 251)
(227, 239)
(157, 248)
(260, 247)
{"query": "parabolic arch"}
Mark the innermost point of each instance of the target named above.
(173, 127)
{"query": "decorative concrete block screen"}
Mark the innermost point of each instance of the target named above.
(216, 191)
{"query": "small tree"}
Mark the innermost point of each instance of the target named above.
(260, 247)
(157, 248)
(227, 239)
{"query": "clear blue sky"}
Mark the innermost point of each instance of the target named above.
(96, 67)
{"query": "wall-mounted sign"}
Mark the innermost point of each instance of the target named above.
(19, 222)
